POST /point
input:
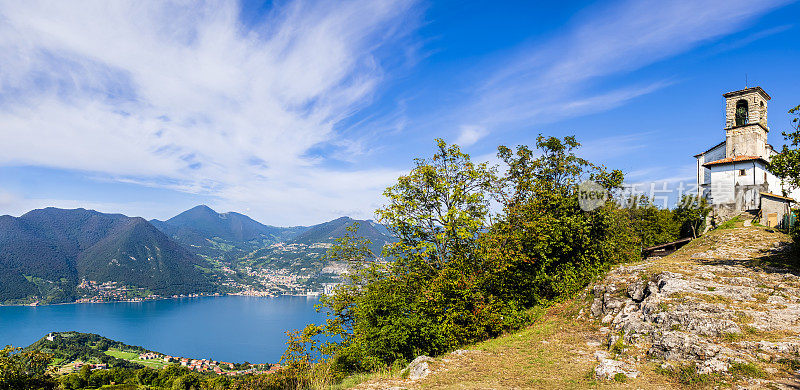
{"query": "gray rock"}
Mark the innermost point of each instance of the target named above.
(637, 290)
(712, 366)
(609, 368)
(418, 368)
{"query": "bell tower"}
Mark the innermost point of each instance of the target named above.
(746, 122)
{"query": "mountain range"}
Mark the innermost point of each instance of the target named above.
(226, 235)
(46, 253)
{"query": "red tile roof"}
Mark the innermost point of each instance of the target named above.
(734, 159)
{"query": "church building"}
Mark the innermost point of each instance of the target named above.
(733, 174)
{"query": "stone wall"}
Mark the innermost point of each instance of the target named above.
(749, 140)
(770, 205)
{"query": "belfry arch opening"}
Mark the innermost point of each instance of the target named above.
(741, 112)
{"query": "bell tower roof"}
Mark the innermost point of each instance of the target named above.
(747, 91)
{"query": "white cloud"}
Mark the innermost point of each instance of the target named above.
(469, 135)
(182, 95)
(613, 146)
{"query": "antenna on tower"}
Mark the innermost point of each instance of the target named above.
(745, 81)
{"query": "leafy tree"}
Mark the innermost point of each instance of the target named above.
(300, 355)
(456, 278)
(351, 248)
(691, 213)
(786, 164)
(22, 370)
(543, 246)
(190, 381)
(438, 209)
(652, 224)
(85, 373)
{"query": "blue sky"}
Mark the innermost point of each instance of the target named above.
(297, 112)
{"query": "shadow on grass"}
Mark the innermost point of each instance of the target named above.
(784, 259)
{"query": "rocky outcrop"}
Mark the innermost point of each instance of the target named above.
(712, 307)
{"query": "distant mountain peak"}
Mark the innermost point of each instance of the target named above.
(201, 209)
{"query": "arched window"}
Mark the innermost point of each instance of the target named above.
(741, 113)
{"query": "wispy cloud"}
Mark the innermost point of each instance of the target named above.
(182, 95)
(614, 146)
(564, 77)
(470, 135)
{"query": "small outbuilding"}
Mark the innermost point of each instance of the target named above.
(776, 210)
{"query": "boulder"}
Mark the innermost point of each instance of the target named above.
(418, 368)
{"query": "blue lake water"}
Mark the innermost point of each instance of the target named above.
(230, 328)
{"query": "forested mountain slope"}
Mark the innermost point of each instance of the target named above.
(228, 235)
(329, 231)
(45, 253)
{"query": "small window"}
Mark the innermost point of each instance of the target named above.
(742, 172)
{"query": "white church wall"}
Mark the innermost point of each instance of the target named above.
(723, 179)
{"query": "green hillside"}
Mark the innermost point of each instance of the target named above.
(328, 232)
(46, 253)
(67, 347)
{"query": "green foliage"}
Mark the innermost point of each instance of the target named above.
(543, 246)
(86, 347)
(457, 278)
(747, 369)
(691, 213)
(298, 360)
(786, 164)
(351, 248)
(23, 370)
(438, 209)
(653, 225)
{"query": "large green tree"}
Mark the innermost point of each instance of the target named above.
(438, 209)
(543, 246)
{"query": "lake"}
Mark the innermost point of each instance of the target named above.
(228, 328)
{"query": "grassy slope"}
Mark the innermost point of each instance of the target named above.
(134, 358)
(552, 353)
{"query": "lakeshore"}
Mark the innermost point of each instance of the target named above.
(259, 294)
